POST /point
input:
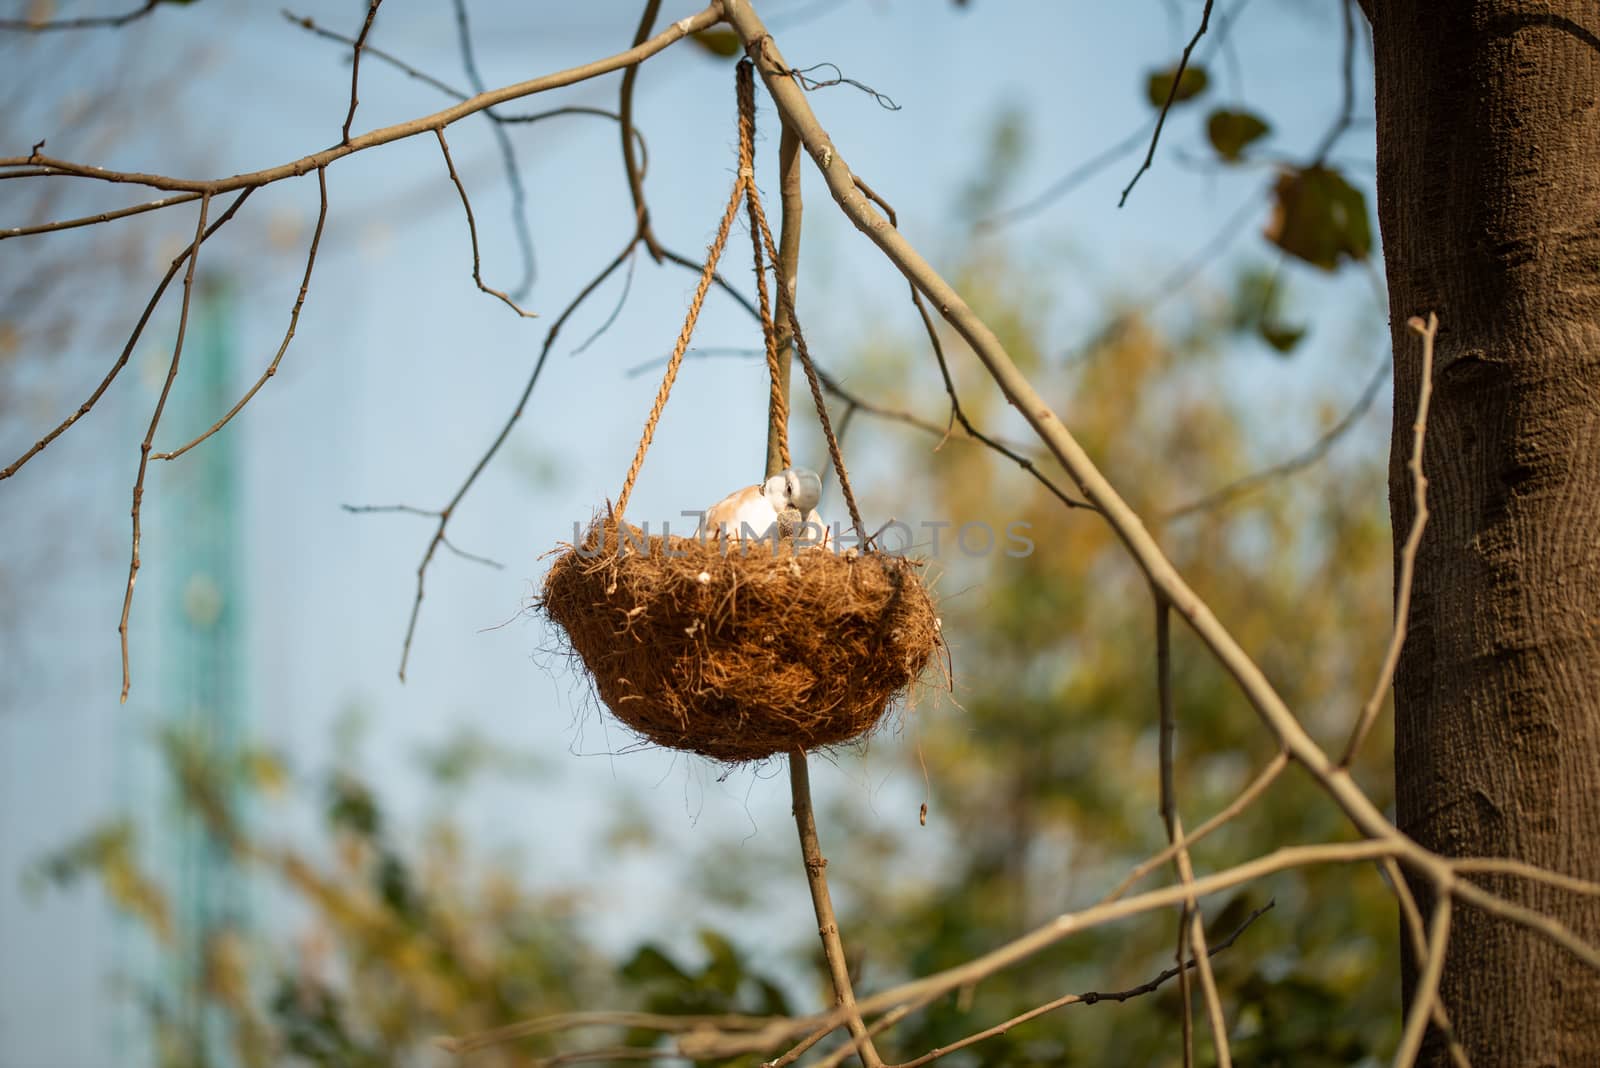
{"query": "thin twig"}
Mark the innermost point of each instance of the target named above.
(1064, 926)
(957, 413)
(1347, 96)
(1307, 457)
(104, 216)
(494, 446)
(472, 557)
(1427, 990)
(1191, 927)
(127, 349)
(1522, 869)
(42, 166)
(1553, 929)
(87, 22)
(472, 229)
(1087, 998)
(508, 158)
(616, 310)
(309, 24)
(1067, 183)
(1172, 95)
(406, 509)
(355, 69)
(149, 436)
(288, 335)
(630, 77)
(1167, 806)
(1258, 786)
(1408, 554)
(1411, 916)
(576, 1021)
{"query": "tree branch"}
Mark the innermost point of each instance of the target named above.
(133, 339)
(508, 158)
(104, 216)
(1408, 553)
(472, 229)
(87, 22)
(37, 165)
(355, 69)
(149, 436)
(630, 76)
(822, 904)
(1307, 457)
(288, 335)
(1172, 95)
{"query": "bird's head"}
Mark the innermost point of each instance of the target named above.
(793, 487)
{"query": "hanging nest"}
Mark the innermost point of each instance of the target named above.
(741, 654)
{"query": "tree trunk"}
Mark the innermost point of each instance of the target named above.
(1489, 199)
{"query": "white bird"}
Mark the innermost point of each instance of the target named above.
(774, 506)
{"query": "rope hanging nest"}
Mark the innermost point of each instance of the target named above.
(741, 652)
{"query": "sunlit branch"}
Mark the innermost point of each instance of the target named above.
(1408, 554)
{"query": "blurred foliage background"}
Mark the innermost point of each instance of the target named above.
(1038, 765)
(1039, 768)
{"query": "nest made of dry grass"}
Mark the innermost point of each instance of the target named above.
(739, 653)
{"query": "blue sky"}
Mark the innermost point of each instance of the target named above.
(401, 372)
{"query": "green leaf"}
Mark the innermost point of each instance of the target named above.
(650, 965)
(1319, 217)
(1282, 338)
(724, 971)
(1159, 85)
(352, 806)
(1230, 131)
(724, 43)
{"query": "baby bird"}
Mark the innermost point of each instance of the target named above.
(785, 504)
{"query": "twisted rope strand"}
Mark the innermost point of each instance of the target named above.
(713, 254)
(804, 353)
(778, 404)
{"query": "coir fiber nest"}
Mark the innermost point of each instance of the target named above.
(737, 652)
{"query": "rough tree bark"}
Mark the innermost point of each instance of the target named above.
(1489, 199)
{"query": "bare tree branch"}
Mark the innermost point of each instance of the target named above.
(957, 414)
(1307, 457)
(508, 158)
(355, 69)
(1427, 992)
(133, 339)
(37, 165)
(630, 77)
(149, 436)
(445, 514)
(1172, 95)
(472, 229)
(288, 335)
(87, 22)
(1408, 553)
(1347, 96)
(104, 216)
